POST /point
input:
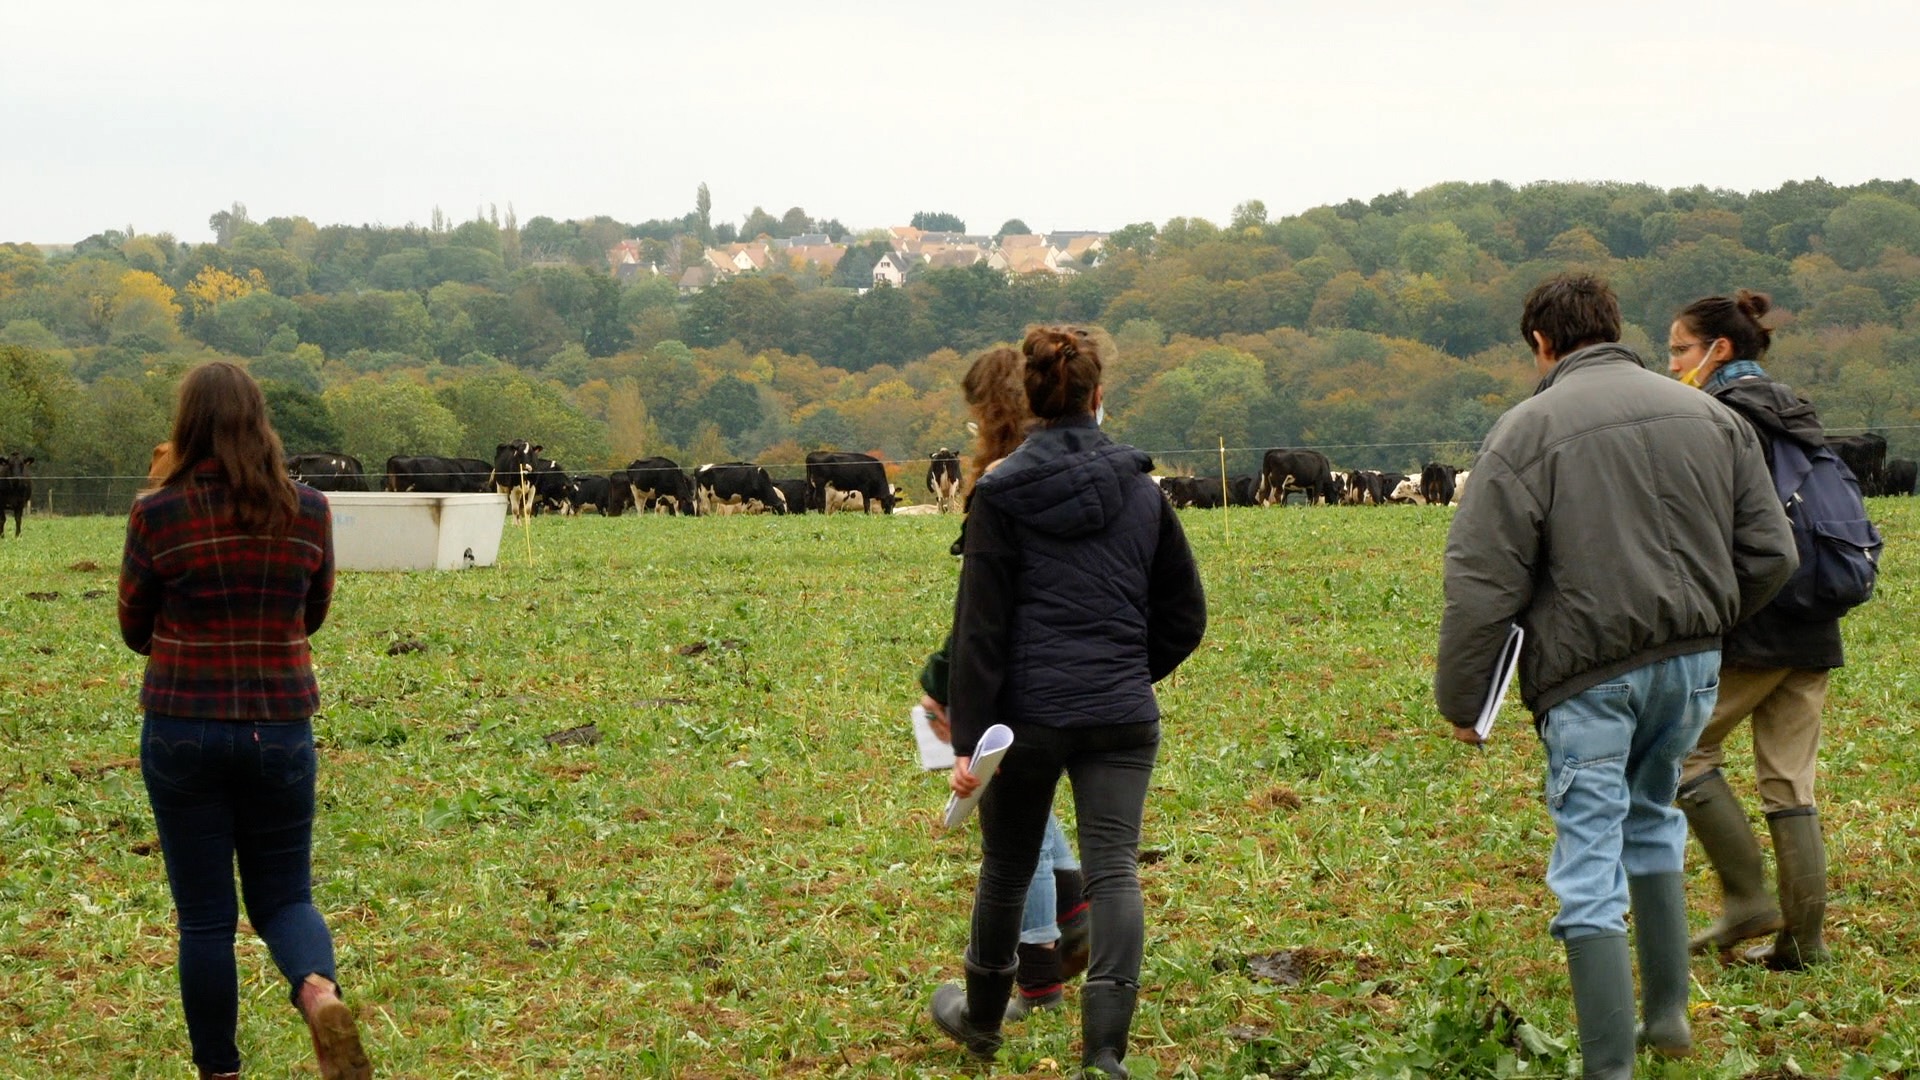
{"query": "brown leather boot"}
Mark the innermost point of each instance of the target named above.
(336, 1039)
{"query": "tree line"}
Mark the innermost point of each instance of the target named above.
(1383, 330)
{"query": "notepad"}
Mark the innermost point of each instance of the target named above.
(1503, 670)
(986, 761)
(935, 752)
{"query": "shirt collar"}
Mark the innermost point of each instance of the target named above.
(1733, 371)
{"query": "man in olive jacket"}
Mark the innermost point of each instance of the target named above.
(1626, 524)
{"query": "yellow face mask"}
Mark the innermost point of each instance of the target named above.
(1698, 373)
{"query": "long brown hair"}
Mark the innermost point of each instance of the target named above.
(1736, 318)
(1062, 372)
(999, 405)
(222, 417)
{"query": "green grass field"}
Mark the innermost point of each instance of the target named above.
(743, 878)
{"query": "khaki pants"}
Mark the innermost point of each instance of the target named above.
(1785, 704)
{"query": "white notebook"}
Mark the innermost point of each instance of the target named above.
(986, 761)
(1503, 670)
(935, 752)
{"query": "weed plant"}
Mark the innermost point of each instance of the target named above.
(742, 875)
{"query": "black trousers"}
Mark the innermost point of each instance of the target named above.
(1109, 769)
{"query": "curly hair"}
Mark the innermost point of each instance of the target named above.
(999, 405)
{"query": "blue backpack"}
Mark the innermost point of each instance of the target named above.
(1839, 547)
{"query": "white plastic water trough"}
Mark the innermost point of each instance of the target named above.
(384, 530)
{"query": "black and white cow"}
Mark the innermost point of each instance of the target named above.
(658, 485)
(793, 494)
(590, 492)
(1365, 487)
(331, 471)
(1193, 492)
(1866, 456)
(513, 466)
(1240, 491)
(1283, 472)
(16, 489)
(943, 480)
(619, 494)
(1900, 476)
(438, 474)
(841, 480)
(553, 489)
(736, 487)
(1436, 483)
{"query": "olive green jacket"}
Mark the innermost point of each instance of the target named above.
(1619, 517)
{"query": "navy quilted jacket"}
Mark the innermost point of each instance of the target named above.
(1077, 591)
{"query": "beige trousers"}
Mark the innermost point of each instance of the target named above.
(1785, 704)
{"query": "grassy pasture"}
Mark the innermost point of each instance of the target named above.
(742, 877)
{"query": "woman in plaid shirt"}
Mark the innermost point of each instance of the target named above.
(228, 568)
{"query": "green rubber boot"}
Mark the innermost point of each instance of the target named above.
(1747, 909)
(1601, 970)
(1660, 939)
(1801, 854)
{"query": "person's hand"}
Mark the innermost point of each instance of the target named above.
(962, 781)
(937, 718)
(1467, 735)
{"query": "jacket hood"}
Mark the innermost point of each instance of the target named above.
(1611, 352)
(1775, 410)
(1068, 479)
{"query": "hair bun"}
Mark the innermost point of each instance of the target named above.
(1753, 303)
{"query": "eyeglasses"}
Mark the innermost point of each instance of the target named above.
(1685, 347)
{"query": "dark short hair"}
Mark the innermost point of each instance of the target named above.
(1736, 318)
(1571, 311)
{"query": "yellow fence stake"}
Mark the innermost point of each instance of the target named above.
(1226, 493)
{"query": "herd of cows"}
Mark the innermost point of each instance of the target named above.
(843, 481)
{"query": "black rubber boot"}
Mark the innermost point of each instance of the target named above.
(973, 1015)
(1038, 981)
(1660, 938)
(1800, 853)
(1717, 819)
(1602, 975)
(1106, 1015)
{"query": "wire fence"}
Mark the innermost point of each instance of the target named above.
(106, 493)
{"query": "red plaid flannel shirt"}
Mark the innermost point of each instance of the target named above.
(223, 616)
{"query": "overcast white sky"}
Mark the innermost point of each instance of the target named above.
(1067, 114)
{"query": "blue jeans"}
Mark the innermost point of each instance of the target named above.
(1613, 766)
(223, 791)
(1040, 924)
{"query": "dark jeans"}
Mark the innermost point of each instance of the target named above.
(224, 790)
(1109, 768)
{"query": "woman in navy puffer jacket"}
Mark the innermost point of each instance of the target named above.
(1077, 593)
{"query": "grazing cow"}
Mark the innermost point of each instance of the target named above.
(1283, 472)
(1389, 481)
(659, 486)
(513, 467)
(1240, 491)
(1866, 456)
(1364, 488)
(1460, 485)
(1407, 490)
(453, 476)
(943, 479)
(16, 489)
(1196, 492)
(736, 487)
(793, 495)
(332, 471)
(553, 489)
(591, 492)
(619, 494)
(839, 480)
(1436, 483)
(1899, 476)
